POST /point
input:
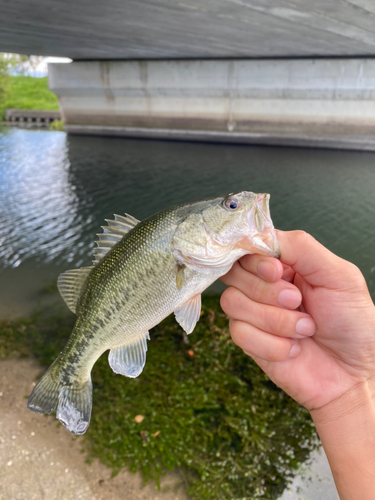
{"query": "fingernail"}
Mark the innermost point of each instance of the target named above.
(266, 270)
(305, 327)
(294, 351)
(289, 298)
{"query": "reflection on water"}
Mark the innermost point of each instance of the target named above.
(55, 192)
(39, 208)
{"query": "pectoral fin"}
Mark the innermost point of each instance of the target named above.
(129, 359)
(188, 314)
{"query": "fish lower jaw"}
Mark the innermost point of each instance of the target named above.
(262, 244)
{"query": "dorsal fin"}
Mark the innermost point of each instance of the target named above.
(112, 234)
(70, 285)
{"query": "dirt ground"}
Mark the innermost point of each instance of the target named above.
(39, 460)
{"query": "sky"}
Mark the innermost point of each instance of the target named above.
(38, 66)
(41, 69)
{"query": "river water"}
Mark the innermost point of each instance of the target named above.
(56, 191)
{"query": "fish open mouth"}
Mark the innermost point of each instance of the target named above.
(264, 241)
(267, 244)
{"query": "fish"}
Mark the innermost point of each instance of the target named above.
(141, 273)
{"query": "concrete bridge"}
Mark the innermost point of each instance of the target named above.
(267, 71)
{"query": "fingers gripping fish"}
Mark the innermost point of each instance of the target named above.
(142, 272)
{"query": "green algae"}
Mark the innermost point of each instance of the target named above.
(208, 409)
(13, 338)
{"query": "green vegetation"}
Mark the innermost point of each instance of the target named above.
(207, 408)
(26, 92)
(13, 338)
(22, 91)
(57, 125)
(4, 82)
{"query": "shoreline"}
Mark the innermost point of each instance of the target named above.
(40, 459)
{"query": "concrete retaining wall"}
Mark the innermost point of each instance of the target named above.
(31, 118)
(326, 102)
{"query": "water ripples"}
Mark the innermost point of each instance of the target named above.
(55, 191)
(38, 204)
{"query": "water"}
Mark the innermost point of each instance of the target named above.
(56, 191)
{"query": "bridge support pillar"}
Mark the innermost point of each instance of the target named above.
(290, 102)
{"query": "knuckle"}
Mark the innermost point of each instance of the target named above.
(352, 276)
(357, 277)
(225, 300)
(228, 300)
(303, 238)
(235, 329)
(278, 352)
(279, 322)
(255, 288)
(356, 272)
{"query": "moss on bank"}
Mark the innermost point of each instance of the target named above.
(207, 409)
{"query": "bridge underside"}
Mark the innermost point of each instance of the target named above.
(174, 29)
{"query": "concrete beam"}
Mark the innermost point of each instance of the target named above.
(166, 29)
(325, 103)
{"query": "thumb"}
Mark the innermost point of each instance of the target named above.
(312, 261)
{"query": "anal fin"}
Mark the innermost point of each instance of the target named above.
(129, 359)
(188, 314)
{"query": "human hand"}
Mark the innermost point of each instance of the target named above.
(307, 320)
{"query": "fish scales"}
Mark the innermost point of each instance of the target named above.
(136, 273)
(160, 266)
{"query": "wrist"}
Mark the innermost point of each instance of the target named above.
(346, 427)
(358, 401)
(361, 397)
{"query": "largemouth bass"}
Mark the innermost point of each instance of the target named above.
(142, 272)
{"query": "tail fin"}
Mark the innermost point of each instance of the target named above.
(73, 399)
(74, 409)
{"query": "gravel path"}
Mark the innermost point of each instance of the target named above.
(39, 460)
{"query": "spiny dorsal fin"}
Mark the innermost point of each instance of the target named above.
(70, 285)
(112, 234)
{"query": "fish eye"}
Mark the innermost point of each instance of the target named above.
(231, 204)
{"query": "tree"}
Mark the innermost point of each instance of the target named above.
(19, 63)
(4, 78)
(14, 64)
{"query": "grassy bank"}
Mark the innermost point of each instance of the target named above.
(207, 408)
(26, 92)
